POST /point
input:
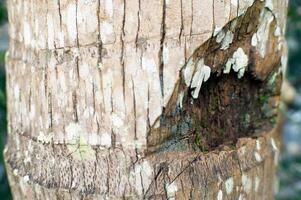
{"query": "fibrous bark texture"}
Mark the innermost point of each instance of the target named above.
(139, 99)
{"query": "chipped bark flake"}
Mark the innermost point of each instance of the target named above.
(201, 75)
(238, 63)
(229, 184)
(261, 37)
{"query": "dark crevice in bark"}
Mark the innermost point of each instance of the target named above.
(76, 22)
(50, 111)
(213, 17)
(74, 102)
(147, 112)
(153, 185)
(162, 40)
(83, 172)
(182, 22)
(60, 14)
(99, 35)
(113, 135)
(108, 175)
(93, 98)
(77, 40)
(122, 36)
(138, 26)
(134, 107)
(192, 19)
(223, 105)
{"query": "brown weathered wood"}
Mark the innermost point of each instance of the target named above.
(105, 102)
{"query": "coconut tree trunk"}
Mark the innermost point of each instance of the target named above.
(139, 99)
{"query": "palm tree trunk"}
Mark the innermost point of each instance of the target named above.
(138, 99)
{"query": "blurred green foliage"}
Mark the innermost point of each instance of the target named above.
(294, 42)
(3, 13)
(4, 188)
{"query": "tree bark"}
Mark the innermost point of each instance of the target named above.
(138, 99)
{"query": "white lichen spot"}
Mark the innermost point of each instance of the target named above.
(277, 32)
(180, 99)
(254, 40)
(201, 75)
(257, 157)
(284, 61)
(23, 183)
(258, 145)
(246, 183)
(275, 151)
(229, 184)
(227, 40)
(26, 179)
(274, 146)
(241, 62)
(100, 66)
(219, 195)
(165, 55)
(15, 172)
(5, 150)
(238, 62)
(257, 182)
(45, 138)
(217, 30)
(105, 140)
(171, 190)
(263, 32)
(269, 4)
(220, 36)
(188, 71)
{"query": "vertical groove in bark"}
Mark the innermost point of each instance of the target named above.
(162, 40)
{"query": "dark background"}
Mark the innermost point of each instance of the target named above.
(290, 166)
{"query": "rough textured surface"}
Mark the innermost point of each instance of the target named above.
(248, 172)
(120, 99)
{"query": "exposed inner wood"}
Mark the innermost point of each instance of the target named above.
(227, 107)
